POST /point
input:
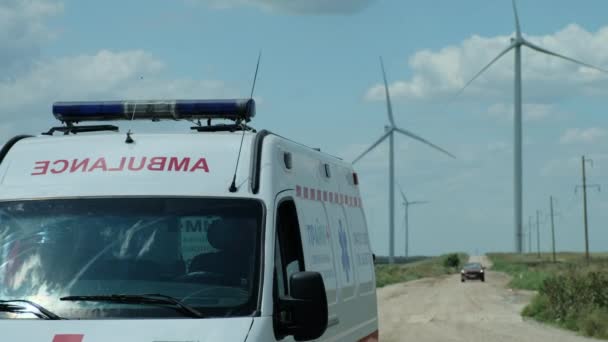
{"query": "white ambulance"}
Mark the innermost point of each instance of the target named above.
(217, 234)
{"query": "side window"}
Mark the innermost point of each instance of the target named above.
(289, 256)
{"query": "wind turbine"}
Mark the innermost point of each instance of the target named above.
(516, 44)
(390, 131)
(406, 205)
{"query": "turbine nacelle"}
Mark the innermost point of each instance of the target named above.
(517, 41)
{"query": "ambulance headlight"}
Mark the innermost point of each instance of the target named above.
(238, 109)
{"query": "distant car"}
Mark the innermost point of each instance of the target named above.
(472, 270)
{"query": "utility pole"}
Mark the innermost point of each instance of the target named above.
(530, 234)
(391, 198)
(538, 233)
(552, 228)
(585, 186)
(407, 231)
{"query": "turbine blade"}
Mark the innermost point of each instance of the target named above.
(402, 193)
(551, 53)
(502, 53)
(517, 28)
(416, 137)
(419, 202)
(389, 106)
(373, 146)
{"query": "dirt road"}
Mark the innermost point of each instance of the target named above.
(444, 310)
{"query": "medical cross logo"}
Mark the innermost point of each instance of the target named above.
(343, 246)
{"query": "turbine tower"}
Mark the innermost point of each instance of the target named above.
(516, 44)
(406, 205)
(390, 130)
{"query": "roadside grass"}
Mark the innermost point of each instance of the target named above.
(431, 267)
(571, 293)
(529, 272)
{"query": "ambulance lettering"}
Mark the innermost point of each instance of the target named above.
(101, 164)
(59, 169)
(79, 165)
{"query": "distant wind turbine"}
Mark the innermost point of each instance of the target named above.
(516, 43)
(406, 205)
(390, 131)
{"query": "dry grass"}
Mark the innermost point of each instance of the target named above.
(431, 267)
(572, 293)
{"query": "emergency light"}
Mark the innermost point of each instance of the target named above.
(233, 109)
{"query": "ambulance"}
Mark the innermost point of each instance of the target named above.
(217, 233)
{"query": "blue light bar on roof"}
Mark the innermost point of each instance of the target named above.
(239, 109)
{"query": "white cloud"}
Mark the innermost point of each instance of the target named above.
(23, 30)
(77, 77)
(295, 6)
(105, 75)
(582, 135)
(441, 74)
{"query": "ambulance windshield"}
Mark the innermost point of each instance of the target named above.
(204, 252)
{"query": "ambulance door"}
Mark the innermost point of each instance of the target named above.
(303, 244)
(288, 257)
(318, 249)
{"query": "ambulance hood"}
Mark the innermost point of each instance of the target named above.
(152, 330)
(104, 165)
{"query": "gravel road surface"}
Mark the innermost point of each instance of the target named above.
(444, 310)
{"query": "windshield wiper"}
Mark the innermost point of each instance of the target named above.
(146, 299)
(9, 306)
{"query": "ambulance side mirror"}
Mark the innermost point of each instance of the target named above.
(308, 303)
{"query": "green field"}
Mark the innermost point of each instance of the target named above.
(572, 293)
(431, 267)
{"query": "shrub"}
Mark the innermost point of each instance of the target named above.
(594, 323)
(577, 300)
(537, 308)
(451, 260)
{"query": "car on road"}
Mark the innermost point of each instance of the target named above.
(473, 270)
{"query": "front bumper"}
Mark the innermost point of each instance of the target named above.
(472, 275)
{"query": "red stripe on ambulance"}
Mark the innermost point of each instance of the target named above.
(68, 338)
(373, 337)
(325, 196)
(101, 164)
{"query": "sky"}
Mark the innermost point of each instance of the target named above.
(320, 84)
